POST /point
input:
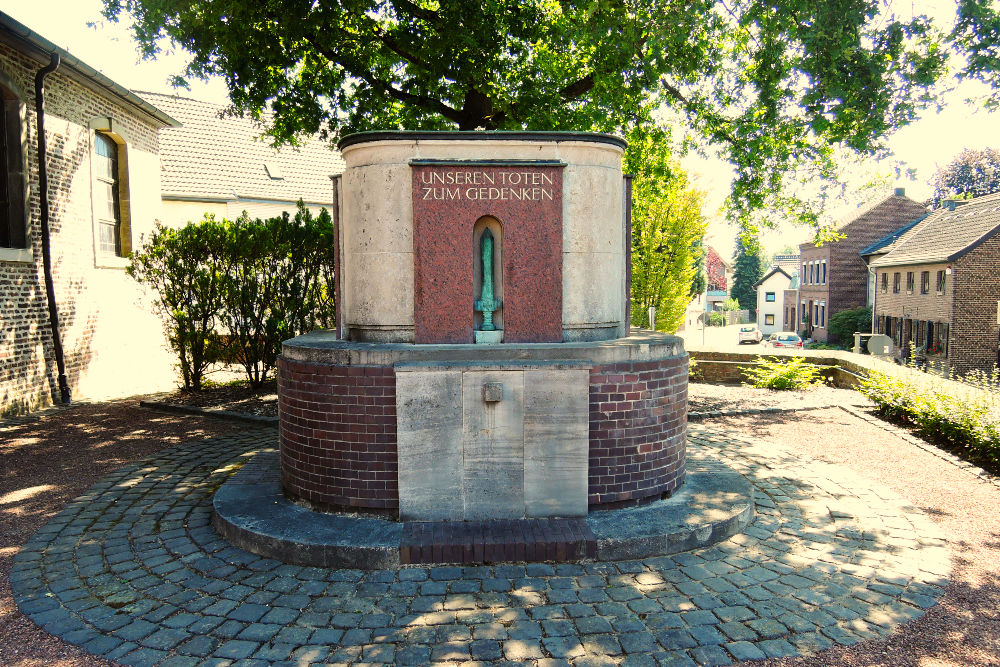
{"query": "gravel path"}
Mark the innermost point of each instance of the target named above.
(704, 397)
(49, 462)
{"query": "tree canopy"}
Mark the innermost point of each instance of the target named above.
(973, 173)
(747, 270)
(772, 83)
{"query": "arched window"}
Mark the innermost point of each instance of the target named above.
(13, 230)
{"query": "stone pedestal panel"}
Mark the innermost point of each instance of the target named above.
(463, 454)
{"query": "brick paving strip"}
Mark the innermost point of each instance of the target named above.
(133, 571)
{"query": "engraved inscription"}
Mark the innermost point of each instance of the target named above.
(476, 185)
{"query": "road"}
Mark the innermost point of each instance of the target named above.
(721, 339)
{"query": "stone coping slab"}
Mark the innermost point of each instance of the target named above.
(323, 346)
(134, 572)
(251, 511)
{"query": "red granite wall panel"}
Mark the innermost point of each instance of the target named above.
(638, 426)
(447, 202)
(338, 435)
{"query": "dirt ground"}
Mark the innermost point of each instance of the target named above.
(46, 463)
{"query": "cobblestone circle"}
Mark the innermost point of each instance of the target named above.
(133, 571)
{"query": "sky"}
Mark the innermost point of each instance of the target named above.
(925, 145)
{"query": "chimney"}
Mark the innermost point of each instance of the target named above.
(952, 204)
(900, 192)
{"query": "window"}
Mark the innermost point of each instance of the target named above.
(895, 283)
(812, 273)
(13, 230)
(822, 313)
(940, 282)
(769, 297)
(885, 281)
(925, 282)
(805, 274)
(769, 320)
(909, 282)
(805, 313)
(824, 272)
(107, 195)
(816, 314)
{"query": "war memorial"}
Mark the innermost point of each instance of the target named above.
(483, 462)
(483, 396)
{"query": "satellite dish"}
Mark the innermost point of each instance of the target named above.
(880, 346)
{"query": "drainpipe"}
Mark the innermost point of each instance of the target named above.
(43, 193)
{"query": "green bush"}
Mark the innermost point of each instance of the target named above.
(259, 281)
(969, 423)
(790, 373)
(181, 267)
(842, 325)
(716, 318)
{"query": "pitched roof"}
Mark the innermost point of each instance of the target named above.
(945, 234)
(29, 42)
(870, 207)
(889, 242)
(221, 158)
(773, 271)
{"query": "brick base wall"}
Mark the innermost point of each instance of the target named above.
(338, 435)
(638, 426)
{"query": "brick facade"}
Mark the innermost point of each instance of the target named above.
(107, 325)
(975, 335)
(638, 424)
(338, 435)
(846, 285)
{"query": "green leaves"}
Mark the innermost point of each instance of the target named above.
(234, 290)
(774, 84)
(793, 373)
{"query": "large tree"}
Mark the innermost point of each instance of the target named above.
(973, 173)
(667, 232)
(775, 83)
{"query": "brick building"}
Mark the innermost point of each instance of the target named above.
(938, 287)
(833, 277)
(103, 172)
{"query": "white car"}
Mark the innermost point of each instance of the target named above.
(750, 334)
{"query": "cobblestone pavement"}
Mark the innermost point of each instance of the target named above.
(133, 571)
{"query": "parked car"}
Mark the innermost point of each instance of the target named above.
(784, 339)
(750, 334)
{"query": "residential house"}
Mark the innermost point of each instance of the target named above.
(833, 277)
(103, 172)
(771, 308)
(719, 274)
(938, 287)
(219, 164)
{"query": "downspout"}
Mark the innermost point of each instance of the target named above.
(43, 194)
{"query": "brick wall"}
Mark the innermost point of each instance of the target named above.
(932, 306)
(847, 273)
(108, 329)
(638, 423)
(338, 435)
(974, 331)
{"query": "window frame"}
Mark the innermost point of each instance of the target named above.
(823, 264)
(896, 282)
(769, 316)
(769, 297)
(910, 282)
(941, 281)
(17, 247)
(925, 282)
(885, 282)
(104, 127)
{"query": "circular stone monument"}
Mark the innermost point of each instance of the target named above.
(482, 367)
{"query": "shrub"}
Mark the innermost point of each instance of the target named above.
(716, 319)
(968, 421)
(180, 266)
(259, 281)
(842, 325)
(791, 373)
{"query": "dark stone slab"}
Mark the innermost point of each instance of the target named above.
(251, 512)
